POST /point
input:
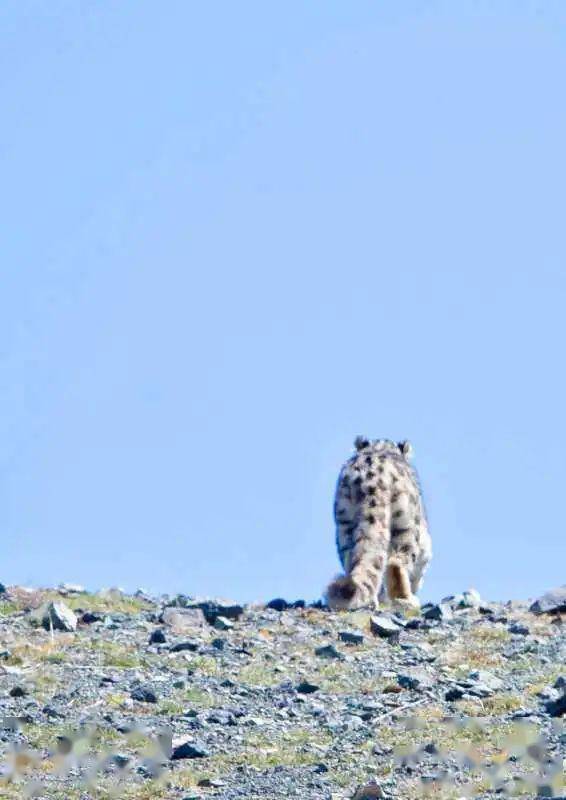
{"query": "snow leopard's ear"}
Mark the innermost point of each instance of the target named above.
(360, 442)
(406, 448)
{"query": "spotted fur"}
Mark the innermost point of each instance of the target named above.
(381, 528)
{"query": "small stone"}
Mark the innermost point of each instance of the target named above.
(89, 617)
(121, 760)
(212, 610)
(470, 599)
(18, 691)
(71, 588)
(189, 750)
(307, 688)
(351, 637)
(221, 718)
(553, 602)
(560, 682)
(192, 647)
(144, 694)
(370, 791)
(385, 627)
(211, 783)
(487, 678)
(183, 620)
(278, 604)
(330, 652)
(518, 629)
(418, 680)
(223, 624)
(157, 636)
(557, 708)
(456, 693)
(439, 612)
(218, 644)
(56, 616)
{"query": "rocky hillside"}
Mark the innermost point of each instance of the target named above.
(106, 695)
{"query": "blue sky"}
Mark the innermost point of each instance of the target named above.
(234, 236)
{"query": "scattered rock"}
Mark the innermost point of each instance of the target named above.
(487, 679)
(553, 602)
(417, 680)
(307, 688)
(144, 694)
(56, 616)
(88, 618)
(223, 623)
(278, 604)
(71, 588)
(183, 620)
(518, 629)
(329, 651)
(191, 647)
(439, 612)
(212, 610)
(189, 750)
(557, 708)
(470, 599)
(370, 791)
(157, 636)
(351, 637)
(384, 627)
(239, 694)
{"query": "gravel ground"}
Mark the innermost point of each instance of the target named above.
(107, 695)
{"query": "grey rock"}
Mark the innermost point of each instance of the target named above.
(330, 652)
(144, 694)
(157, 636)
(189, 750)
(470, 599)
(552, 602)
(486, 678)
(55, 615)
(557, 708)
(385, 627)
(351, 637)
(223, 623)
(71, 588)
(369, 791)
(278, 604)
(439, 612)
(307, 688)
(179, 647)
(417, 680)
(89, 617)
(183, 620)
(212, 610)
(518, 629)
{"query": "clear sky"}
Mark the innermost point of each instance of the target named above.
(236, 234)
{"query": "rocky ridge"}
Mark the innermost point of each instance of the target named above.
(134, 696)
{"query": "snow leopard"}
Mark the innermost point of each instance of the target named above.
(382, 533)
